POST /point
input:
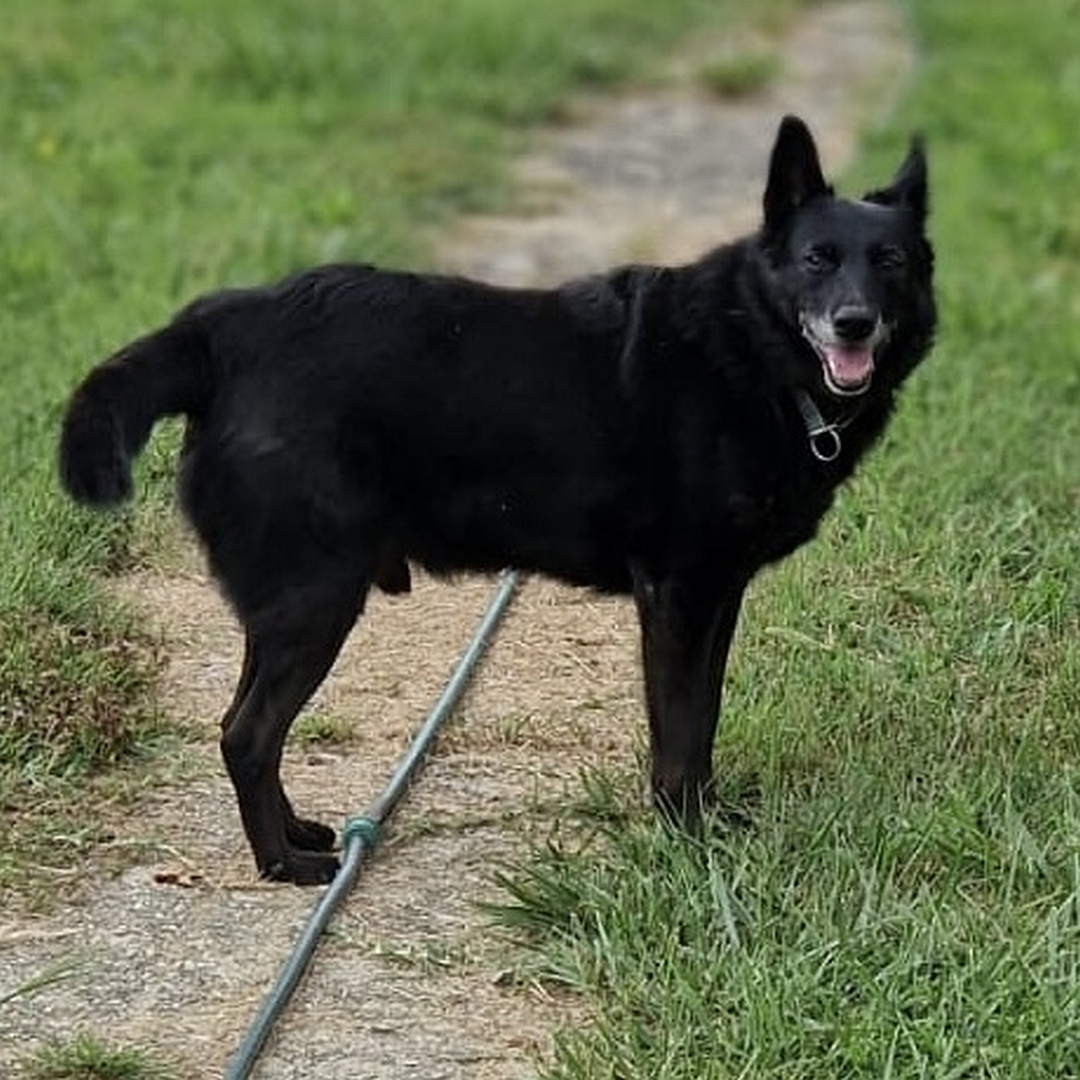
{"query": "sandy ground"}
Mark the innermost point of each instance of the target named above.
(407, 985)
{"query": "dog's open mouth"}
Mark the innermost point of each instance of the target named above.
(847, 366)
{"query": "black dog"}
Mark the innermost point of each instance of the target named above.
(665, 432)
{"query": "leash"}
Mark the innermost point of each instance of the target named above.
(361, 834)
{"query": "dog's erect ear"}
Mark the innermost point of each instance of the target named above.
(794, 173)
(909, 186)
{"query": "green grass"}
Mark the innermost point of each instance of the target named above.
(741, 74)
(57, 971)
(85, 1057)
(320, 729)
(902, 704)
(154, 151)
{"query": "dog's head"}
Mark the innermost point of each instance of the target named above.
(848, 275)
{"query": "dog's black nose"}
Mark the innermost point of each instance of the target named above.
(854, 323)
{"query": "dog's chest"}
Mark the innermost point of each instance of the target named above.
(765, 500)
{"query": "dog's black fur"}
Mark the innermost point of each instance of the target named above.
(664, 432)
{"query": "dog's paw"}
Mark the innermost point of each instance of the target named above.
(682, 803)
(695, 808)
(302, 868)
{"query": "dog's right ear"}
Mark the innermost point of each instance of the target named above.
(795, 175)
(908, 187)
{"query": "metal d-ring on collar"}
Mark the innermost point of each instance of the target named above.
(825, 443)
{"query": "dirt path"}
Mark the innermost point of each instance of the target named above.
(407, 984)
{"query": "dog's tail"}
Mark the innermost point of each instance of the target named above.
(110, 416)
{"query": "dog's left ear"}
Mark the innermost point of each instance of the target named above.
(909, 186)
(795, 175)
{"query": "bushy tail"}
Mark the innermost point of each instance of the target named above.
(110, 416)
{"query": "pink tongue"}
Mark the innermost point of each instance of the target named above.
(849, 367)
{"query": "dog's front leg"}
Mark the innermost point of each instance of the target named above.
(686, 631)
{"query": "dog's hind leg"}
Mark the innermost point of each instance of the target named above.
(291, 646)
(686, 632)
(300, 832)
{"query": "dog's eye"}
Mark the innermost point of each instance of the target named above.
(820, 260)
(889, 257)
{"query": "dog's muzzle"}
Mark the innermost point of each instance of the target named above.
(846, 342)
